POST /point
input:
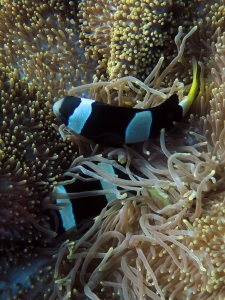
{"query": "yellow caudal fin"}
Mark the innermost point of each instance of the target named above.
(188, 100)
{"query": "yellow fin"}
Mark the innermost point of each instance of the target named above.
(188, 100)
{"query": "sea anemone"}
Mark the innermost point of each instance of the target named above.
(162, 237)
(33, 157)
(41, 42)
(36, 42)
(127, 38)
(165, 240)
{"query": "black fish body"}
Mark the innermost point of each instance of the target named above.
(107, 124)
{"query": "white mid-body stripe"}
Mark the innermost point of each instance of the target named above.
(80, 115)
(138, 129)
(67, 215)
(107, 185)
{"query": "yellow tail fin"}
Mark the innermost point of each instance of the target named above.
(188, 100)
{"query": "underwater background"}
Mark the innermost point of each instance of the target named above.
(150, 217)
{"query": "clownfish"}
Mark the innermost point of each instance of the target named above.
(107, 124)
(75, 211)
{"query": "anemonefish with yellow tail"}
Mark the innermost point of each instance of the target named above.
(107, 124)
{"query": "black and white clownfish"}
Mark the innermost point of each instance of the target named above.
(75, 210)
(107, 124)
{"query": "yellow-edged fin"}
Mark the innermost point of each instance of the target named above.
(188, 100)
(164, 199)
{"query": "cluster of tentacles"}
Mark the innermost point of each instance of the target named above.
(162, 237)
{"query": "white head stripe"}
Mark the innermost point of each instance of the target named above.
(56, 107)
(80, 115)
(139, 128)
